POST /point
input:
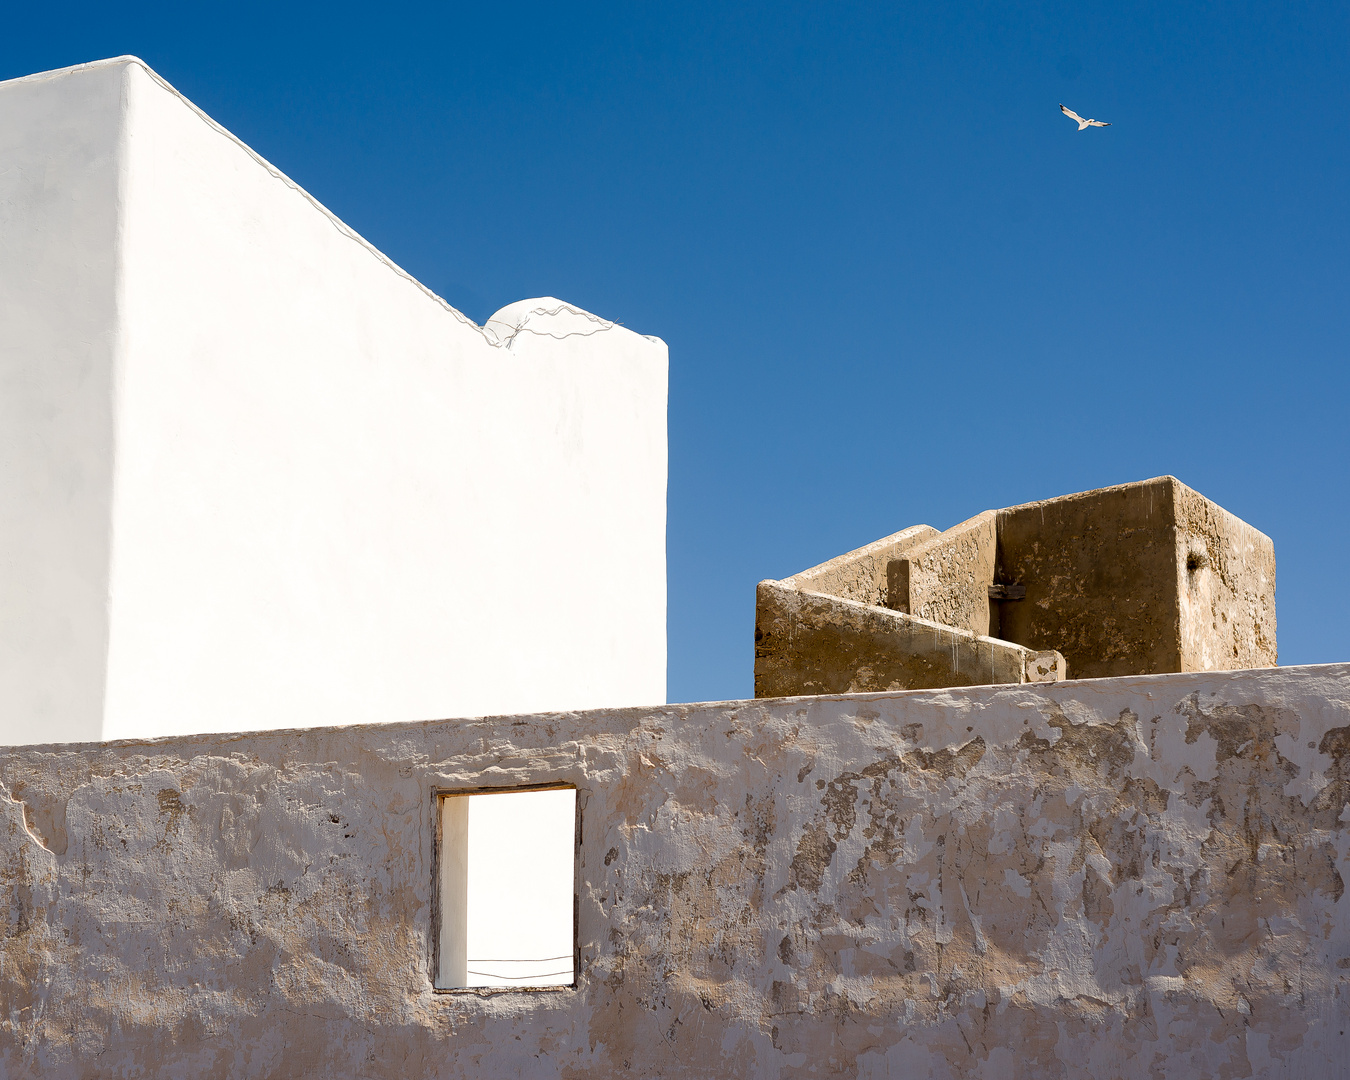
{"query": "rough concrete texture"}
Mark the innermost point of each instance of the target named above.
(1100, 573)
(1226, 571)
(809, 643)
(946, 577)
(1139, 578)
(1130, 580)
(861, 575)
(1138, 877)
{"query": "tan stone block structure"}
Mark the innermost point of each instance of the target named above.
(1137, 579)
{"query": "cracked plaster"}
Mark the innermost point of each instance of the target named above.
(1128, 877)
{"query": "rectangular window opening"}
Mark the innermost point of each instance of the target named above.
(507, 882)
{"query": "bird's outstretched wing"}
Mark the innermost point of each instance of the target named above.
(1099, 123)
(1071, 114)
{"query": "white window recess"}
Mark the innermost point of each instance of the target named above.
(507, 888)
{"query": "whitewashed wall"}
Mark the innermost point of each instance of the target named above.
(59, 178)
(326, 496)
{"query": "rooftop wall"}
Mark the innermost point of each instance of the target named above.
(1139, 578)
(862, 575)
(253, 474)
(811, 643)
(1135, 579)
(1136, 877)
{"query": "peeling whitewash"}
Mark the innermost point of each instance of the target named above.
(1129, 877)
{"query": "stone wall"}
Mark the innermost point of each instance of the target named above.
(809, 643)
(1139, 578)
(1100, 570)
(1136, 579)
(1133, 877)
(862, 575)
(946, 578)
(1227, 594)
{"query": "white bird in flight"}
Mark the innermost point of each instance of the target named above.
(1081, 122)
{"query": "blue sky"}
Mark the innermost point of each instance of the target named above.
(897, 286)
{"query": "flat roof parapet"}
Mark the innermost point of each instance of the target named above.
(921, 883)
(1135, 579)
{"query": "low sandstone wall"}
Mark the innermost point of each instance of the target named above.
(862, 575)
(1131, 877)
(809, 643)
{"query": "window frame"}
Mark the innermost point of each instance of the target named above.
(438, 796)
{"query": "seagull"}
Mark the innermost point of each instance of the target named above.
(1081, 122)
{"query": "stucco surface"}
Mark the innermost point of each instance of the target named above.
(948, 576)
(809, 643)
(1132, 877)
(864, 574)
(254, 474)
(1139, 578)
(61, 170)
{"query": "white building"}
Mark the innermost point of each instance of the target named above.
(252, 474)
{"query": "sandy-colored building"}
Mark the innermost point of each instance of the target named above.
(1136, 579)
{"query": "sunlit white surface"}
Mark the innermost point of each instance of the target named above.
(252, 475)
(521, 879)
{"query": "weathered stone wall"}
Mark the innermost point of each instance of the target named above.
(1135, 877)
(946, 577)
(1226, 571)
(808, 643)
(1139, 578)
(861, 574)
(1100, 570)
